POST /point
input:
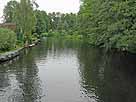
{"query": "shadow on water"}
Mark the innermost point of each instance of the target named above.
(107, 77)
(100, 77)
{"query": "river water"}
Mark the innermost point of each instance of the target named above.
(59, 70)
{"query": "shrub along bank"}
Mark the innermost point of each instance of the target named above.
(10, 47)
(7, 40)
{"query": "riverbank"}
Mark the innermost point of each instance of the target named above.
(10, 55)
(14, 53)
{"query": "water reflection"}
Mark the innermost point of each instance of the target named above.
(19, 81)
(68, 71)
(107, 77)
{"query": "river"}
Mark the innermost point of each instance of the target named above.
(59, 70)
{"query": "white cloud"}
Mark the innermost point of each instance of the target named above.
(64, 6)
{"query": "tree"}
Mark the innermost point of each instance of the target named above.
(108, 23)
(26, 19)
(41, 22)
(63, 22)
(9, 12)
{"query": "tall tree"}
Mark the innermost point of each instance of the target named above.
(26, 19)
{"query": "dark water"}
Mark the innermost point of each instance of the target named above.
(68, 71)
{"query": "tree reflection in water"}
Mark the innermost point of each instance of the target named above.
(20, 81)
(104, 77)
(107, 77)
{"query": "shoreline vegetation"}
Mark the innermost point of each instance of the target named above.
(105, 24)
(11, 54)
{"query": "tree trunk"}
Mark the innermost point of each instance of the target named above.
(26, 43)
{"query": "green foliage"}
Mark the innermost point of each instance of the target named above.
(103, 23)
(108, 23)
(57, 25)
(9, 12)
(42, 22)
(33, 38)
(26, 19)
(54, 34)
(22, 13)
(74, 37)
(7, 39)
(45, 34)
(62, 22)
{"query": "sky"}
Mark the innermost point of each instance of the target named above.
(64, 6)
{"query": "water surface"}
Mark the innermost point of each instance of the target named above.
(68, 71)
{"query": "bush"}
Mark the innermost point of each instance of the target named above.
(45, 34)
(36, 35)
(74, 36)
(54, 33)
(7, 39)
(32, 39)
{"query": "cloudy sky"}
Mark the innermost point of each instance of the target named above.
(59, 5)
(65, 6)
